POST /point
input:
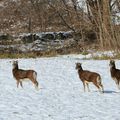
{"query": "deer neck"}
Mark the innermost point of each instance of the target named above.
(16, 67)
(80, 70)
(113, 70)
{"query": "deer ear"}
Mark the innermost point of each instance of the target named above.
(112, 61)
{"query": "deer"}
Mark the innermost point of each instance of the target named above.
(87, 76)
(21, 75)
(115, 73)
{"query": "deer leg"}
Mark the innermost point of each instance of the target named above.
(17, 84)
(84, 86)
(97, 86)
(102, 88)
(35, 83)
(117, 83)
(88, 87)
(21, 84)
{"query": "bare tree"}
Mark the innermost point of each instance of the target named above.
(100, 12)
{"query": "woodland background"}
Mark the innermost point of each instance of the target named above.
(90, 21)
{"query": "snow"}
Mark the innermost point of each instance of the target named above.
(90, 55)
(61, 95)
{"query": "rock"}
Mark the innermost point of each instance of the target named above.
(29, 38)
(5, 37)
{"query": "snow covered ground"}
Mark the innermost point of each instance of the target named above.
(61, 96)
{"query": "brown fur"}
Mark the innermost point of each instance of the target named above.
(115, 73)
(20, 75)
(88, 76)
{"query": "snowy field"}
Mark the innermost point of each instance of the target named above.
(61, 95)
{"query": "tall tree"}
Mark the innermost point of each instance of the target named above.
(100, 12)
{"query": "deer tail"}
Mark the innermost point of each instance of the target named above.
(99, 80)
(35, 75)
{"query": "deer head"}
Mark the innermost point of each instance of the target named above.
(78, 66)
(112, 64)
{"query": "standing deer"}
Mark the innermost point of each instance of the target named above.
(20, 75)
(115, 73)
(88, 76)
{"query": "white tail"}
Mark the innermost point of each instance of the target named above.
(35, 75)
